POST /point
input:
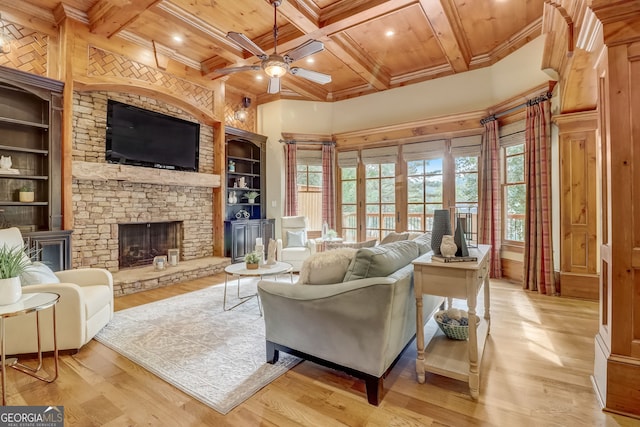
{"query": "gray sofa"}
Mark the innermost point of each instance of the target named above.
(359, 325)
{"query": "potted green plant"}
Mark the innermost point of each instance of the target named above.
(251, 196)
(26, 194)
(13, 263)
(252, 260)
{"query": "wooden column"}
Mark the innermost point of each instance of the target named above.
(617, 346)
(578, 205)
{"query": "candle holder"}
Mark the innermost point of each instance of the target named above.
(174, 256)
(160, 262)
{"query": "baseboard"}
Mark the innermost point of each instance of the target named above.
(583, 286)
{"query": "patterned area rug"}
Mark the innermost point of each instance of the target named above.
(216, 356)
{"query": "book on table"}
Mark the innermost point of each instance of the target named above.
(440, 258)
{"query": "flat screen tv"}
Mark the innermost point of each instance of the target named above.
(145, 138)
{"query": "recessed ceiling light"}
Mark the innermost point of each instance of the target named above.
(177, 39)
(259, 77)
(310, 60)
(389, 33)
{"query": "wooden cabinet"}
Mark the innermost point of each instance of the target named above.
(240, 236)
(52, 248)
(244, 218)
(30, 120)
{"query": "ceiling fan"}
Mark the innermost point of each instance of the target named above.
(276, 65)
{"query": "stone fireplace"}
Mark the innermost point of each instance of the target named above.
(139, 243)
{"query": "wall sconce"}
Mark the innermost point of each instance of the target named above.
(242, 114)
(5, 42)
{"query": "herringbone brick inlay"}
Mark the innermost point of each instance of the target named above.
(103, 63)
(28, 50)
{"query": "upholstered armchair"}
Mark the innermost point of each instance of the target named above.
(294, 246)
(85, 305)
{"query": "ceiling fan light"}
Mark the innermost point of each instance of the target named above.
(275, 66)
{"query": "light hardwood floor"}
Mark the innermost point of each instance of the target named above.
(536, 371)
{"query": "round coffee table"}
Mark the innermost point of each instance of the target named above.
(240, 270)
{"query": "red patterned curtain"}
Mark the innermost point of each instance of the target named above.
(490, 205)
(538, 256)
(291, 190)
(328, 185)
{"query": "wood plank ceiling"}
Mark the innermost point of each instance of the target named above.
(430, 38)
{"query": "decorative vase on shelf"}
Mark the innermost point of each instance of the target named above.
(448, 247)
(441, 226)
(460, 239)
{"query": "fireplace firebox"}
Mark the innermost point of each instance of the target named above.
(139, 243)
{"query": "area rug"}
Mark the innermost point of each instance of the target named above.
(215, 356)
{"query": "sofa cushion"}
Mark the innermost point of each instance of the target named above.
(38, 273)
(325, 268)
(382, 260)
(295, 239)
(394, 237)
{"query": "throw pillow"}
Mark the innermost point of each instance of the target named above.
(381, 260)
(296, 239)
(324, 268)
(394, 237)
(424, 242)
(38, 273)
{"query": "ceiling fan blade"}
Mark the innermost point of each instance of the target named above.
(274, 85)
(237, 69)
(246, 43)
(314, 76)
(308, 48)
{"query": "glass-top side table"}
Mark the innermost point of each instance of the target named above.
(28, 303)
(240, 270)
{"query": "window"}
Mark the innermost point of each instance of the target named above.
(424, 192)
(309, 181)
(467, 195)
(380, 199)
(349, 203)
(514, 193)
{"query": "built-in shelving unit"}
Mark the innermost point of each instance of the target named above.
(30, 120)
(245, 221)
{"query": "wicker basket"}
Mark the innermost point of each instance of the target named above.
(456, 332)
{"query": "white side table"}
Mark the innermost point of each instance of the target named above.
(462, 280)
(28, 303)
(240, 270)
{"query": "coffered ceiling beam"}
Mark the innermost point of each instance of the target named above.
(303, 14)
(305, 88)
(347, 51)
(447, 28)
(107, 17)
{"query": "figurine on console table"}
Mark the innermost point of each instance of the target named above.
(5, 166)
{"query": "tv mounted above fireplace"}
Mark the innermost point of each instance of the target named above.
(140, 137)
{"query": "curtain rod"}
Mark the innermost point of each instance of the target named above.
(293, 141)
(530, 102)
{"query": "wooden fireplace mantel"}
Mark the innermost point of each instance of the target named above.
(113, 172)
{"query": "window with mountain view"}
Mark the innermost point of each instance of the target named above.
(514, 193)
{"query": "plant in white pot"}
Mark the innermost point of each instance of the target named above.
(26, 194)
(251, 196)
(13, 262)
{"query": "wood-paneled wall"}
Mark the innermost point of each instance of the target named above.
(617, 355)
(578, 205)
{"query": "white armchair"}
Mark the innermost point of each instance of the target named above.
(85, 307)
(294, 246)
